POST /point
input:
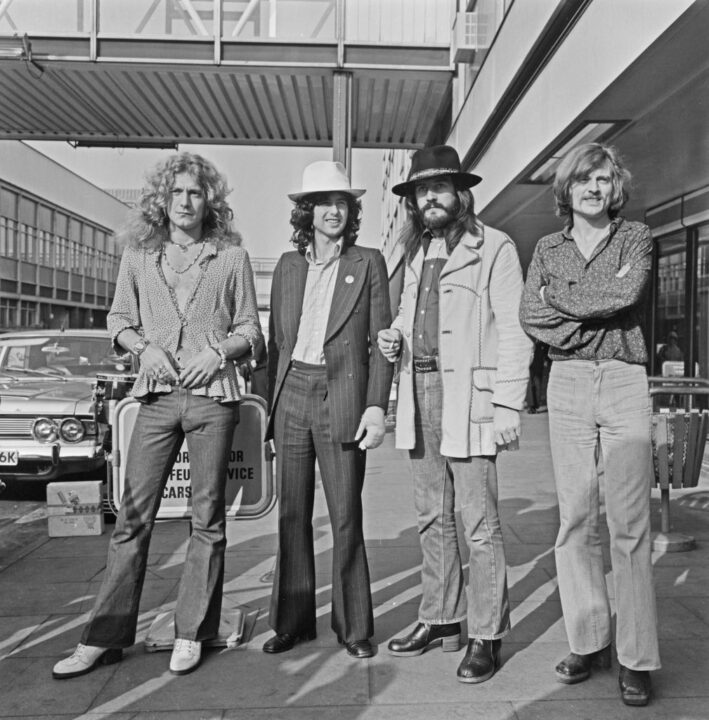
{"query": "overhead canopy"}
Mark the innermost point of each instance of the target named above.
(166, 74)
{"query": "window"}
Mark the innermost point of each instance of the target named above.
(8, 237)
(8, 313)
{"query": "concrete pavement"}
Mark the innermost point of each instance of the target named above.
(47, 586)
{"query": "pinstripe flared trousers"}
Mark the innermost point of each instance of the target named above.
(302, 436)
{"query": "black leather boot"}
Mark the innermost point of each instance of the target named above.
(576, 668)
(635, 686)
(424, 635)
(481, 661)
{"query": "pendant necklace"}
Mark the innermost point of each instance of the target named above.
(187, 267)
(183, 248)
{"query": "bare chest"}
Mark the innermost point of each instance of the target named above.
(181, 272)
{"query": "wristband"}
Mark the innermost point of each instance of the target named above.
(222, 355)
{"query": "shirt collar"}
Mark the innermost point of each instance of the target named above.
(616, 222)
(312, 260)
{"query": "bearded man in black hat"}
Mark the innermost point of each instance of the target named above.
(464, 366)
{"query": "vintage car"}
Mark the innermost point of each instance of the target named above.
(49, 424)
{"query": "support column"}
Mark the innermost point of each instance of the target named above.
(342, 119)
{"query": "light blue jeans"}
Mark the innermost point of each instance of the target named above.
(438, 482)
(601, 410)
(162, 424)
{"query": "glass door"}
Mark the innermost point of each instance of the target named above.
(671, 343)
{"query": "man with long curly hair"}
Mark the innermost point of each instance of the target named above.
(464, 366)
(185, 305)
(329, 388)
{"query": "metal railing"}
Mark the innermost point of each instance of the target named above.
(306, 21)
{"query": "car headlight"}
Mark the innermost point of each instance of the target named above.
(45, 430)
(72, 430)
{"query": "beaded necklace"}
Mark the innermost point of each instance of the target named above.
(187, 267)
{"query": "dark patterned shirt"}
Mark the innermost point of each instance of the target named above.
(425, 338)
(592, 309)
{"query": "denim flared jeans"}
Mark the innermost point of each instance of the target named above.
(440, 482)
(599, 416)
(162, 424)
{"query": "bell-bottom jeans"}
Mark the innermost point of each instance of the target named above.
(163, 422)
(600, 410)
(438, 482)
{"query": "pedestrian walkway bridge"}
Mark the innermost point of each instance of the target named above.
(348, 73)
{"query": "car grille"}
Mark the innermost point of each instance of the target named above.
(16, 427)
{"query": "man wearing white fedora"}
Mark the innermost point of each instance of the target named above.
(328, 391)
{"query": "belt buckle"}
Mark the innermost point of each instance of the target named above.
(426, 364)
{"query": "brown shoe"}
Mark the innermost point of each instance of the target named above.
(575, 668)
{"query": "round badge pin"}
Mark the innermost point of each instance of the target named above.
(349, 279)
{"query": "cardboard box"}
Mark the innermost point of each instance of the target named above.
(75, 508)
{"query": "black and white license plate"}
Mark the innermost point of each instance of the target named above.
(9, 457)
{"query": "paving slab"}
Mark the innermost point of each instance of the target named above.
(49, 585)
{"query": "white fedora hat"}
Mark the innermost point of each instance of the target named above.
(325, 176)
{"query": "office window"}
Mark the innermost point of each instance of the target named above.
(8, 237)
(60, 253)
(28, 314)
(8, 313)
(28, 242)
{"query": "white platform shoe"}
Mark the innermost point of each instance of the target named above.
(186, 656)
(85, 659)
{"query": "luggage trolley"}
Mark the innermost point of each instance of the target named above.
(250, 492)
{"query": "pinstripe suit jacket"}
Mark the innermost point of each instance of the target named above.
(358, 375)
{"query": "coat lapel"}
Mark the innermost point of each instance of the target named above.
(351, 273)
(294, 288)
(464, 253)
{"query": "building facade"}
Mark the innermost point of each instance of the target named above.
(58, 256)
(533, 79)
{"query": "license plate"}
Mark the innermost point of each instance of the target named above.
(9, 457)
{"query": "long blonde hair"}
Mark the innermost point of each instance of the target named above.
(148, 226)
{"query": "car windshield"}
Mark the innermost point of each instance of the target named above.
(74, 356)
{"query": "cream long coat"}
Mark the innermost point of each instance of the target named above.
(484, 354)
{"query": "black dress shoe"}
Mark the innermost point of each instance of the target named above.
(634, 686)
(359, 649)
(576, 668)
(482, 659)
(281, 642)
(423, 635)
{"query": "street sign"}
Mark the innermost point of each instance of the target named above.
(249, 488)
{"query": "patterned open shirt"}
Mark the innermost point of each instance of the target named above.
(222, 303)
(592, 309)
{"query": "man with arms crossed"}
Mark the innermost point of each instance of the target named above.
(185, 304)
(584, 296)
(329, 388)
(464, 367)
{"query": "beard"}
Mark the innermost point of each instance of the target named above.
(444, 217)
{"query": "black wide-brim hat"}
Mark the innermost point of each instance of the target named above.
(433, 162)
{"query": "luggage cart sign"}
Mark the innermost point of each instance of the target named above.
(249, 486)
